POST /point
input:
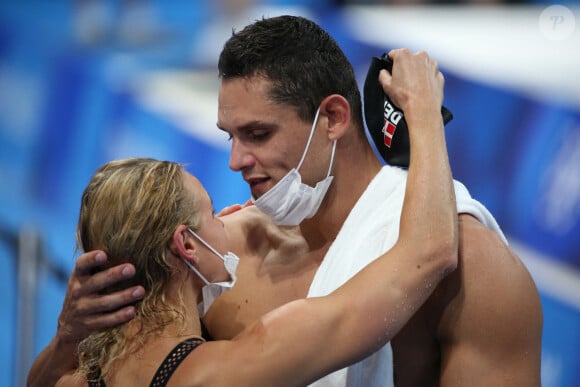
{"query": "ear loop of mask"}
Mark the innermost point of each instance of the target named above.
(196, 271)
(210, 248)
(205, 243)
(308, 145)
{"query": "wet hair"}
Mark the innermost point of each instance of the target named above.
(302, 61)
(130, 210)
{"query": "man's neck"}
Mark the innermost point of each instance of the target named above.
(353, 172)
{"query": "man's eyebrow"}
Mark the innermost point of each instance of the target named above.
(252, 125)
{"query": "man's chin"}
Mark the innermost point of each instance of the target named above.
(258, 189)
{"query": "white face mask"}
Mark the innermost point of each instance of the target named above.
(290, 201)
(213, 290)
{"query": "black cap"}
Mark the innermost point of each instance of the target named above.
(385, 121)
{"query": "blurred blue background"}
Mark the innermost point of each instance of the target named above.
(83, 82)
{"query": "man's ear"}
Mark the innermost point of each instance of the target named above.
(182, 244)
(337, 110)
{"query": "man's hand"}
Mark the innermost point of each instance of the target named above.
(416, 86)
(234, 207)
(85, 310)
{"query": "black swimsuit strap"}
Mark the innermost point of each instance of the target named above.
(173, 360)
(95, 379)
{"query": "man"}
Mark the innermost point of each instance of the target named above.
(285, 80)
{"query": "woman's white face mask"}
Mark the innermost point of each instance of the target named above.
(290, 201)
(212, 290)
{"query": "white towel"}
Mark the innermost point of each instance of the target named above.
(371, 229)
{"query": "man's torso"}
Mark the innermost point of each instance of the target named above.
(280, 267)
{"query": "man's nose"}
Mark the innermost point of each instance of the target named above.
(240, 157)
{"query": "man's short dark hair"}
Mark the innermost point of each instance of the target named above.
(303, 62)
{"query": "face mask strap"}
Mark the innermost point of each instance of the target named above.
(331, 158)
(309, 139)
(308, 145)
(196, 271)
(205, 244)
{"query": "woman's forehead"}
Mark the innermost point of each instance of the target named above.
(193, 185)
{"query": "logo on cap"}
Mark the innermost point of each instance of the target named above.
(392, 118)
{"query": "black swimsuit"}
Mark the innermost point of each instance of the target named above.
(169, 365)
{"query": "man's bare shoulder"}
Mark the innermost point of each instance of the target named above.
(491, 315)
(490, 277)
(481, 326)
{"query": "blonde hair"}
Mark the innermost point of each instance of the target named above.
(130, 210)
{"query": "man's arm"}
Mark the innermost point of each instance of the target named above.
(491, 329)
(84, 310)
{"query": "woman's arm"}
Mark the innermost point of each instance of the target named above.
(306, 339)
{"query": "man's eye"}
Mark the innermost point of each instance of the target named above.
(258, 135)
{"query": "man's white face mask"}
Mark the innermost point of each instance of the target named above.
(290, 201)
(213, 290)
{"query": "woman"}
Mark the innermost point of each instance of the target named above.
(161, 216)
